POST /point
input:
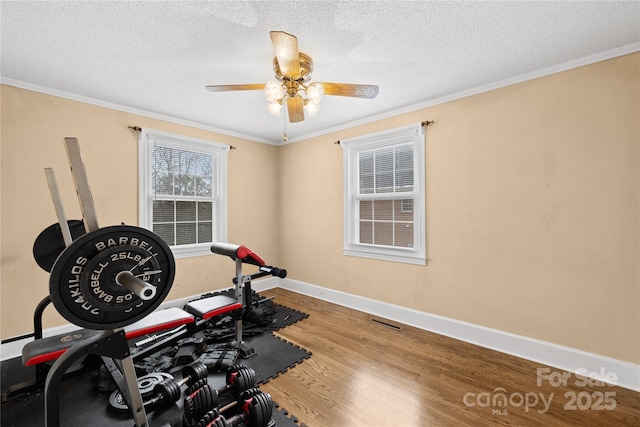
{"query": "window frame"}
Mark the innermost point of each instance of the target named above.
(406, 135)
(147, 138)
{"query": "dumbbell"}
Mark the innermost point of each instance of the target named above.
(167, 392)
(201, 399)
(257, 411)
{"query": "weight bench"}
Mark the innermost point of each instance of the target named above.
(194, 317)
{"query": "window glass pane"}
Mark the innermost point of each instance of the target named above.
(383, 233)
(185, 211)
(366, 162)
(366, 209)
(162, 170)
(203, 164)
(384, 182)
(383, 210)
(165, 231)
(404, 210)
(184, 184)
(163, 183)
(204, 186)
(366, 172)
(204, 174)
(205, 211)
(384, 160)
(403, 235)
(189, 160)
(404, 168)
(205, 232)
(185, 233)
(384, 170)
(404, 158)
(404, 181)
(366, 184)
(366, 232)
(163, 211)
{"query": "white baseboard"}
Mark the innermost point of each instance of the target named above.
(579, 362)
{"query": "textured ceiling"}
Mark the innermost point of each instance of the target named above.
(158, 56)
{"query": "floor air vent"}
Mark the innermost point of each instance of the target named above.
(387, 324)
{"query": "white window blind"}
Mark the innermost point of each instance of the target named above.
(384, 195)
(183, 190)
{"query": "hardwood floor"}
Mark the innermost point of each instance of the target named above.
(363, 373)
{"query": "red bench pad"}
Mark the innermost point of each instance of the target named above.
(50, 348)
(160, 320)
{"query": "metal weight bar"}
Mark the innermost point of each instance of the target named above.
(82, 184)
(137, 404)
(57, 204)
(142, 289)
(239, 297)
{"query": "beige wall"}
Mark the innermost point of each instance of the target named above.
(33, 128)
(532, 211)
(533, 217)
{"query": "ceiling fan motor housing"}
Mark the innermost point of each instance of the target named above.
(306, 68)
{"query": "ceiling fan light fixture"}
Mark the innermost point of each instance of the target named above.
(311, 108)
(314, 93)
(275, 107)
(274, 91)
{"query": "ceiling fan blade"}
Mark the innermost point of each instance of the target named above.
(285, 46)
(224, 88)
(295, 107)
(353, 90)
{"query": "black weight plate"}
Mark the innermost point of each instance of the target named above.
(116, 401)
(82, 285)
(49, 244)
(146, 383)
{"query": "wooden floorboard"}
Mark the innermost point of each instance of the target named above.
(363, 373)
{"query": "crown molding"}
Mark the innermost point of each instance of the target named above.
(111, 105)
(554, 69)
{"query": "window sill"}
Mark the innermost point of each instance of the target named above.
(383, 255)
(189, 251)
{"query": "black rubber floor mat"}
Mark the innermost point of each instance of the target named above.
(81, 404)
(282, 417)
(277, 356)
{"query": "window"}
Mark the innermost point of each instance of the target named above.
(384, 195)
(183, 191)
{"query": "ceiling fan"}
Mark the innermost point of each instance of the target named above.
(292, 85)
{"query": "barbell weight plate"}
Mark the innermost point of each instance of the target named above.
(116, 401)
(49, 244)
(146, 383)
(83, 285)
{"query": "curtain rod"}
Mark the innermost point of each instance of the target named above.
(425, 123)
(139, 129)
